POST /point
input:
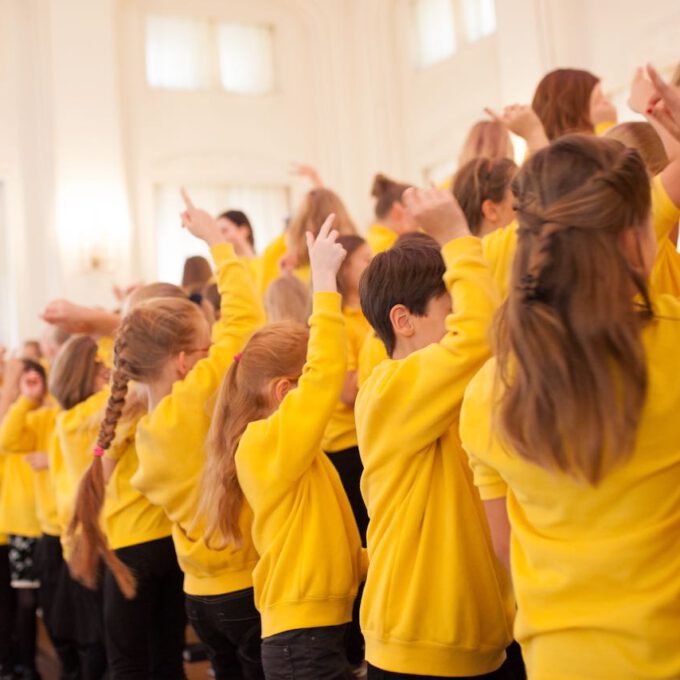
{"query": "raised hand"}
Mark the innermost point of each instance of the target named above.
(325, 257)
(664, 106)
(38, 461)
(32, 386)
(437, 213)
(67, 315)
(524, 122)
(308, 172)
(601, 108)
(200, 222)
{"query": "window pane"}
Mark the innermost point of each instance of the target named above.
(479, 17)
(267, 207)
(435, 30)
(246, 58)
(178, 53)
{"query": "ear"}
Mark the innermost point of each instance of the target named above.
(402, 321)
(489, 210)
(281, 388)
(181, 364)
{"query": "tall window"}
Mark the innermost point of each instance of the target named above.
(184, 53)
(267, 207)
(479, 18)
(436, 31)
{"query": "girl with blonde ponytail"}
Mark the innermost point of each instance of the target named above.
(164, 346)
(572, 430)
(265, 453)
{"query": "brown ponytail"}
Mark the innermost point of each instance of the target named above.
(568, 338)
(386, 192)
(148, 336)
(276, 351)
(479, 180)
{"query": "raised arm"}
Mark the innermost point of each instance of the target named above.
(522, 121)
(74, 318)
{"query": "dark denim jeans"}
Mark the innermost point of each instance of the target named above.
(229, 626)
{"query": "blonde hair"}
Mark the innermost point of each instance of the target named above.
(288, 299)
(317, 205)
(643, 137)
(275, 352)
(488, 138)
(568, 338)
(149, 335)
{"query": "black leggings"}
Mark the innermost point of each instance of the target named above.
(7, 614)
(145, 635)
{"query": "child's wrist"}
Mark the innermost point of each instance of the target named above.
(323, 282)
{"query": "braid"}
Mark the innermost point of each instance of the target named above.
(114, 408)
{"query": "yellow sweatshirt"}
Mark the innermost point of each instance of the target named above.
(341, 432)
(595, 569)
(665, 277)
(129, 518)
(372, 353)
(499, 251)
(269, 263)
(28, 428)
(71, 453)
(170, 441)
(304, 531)
(380, 238)
(436, 601)
(17, 498)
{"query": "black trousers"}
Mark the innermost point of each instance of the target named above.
(50, 565)
(512, 669)
(229, 626)
(7, 614)
(145, 636)
(307, 654)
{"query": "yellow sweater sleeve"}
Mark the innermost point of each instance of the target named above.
(665, 214)
(297, 427)
(16, 434)
(430, 383)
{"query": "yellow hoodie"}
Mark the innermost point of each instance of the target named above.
(29, 428)
(380, 238)
(17, 498)
(595, 568)
(436, 601)
(170, 440)
(310, 552)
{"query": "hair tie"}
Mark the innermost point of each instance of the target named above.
(98, 451)
(237, 357)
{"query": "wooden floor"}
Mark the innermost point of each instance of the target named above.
(49, 666)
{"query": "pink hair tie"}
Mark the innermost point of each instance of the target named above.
(237, 357)
(98, 451)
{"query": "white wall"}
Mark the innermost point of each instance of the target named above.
(83, 140)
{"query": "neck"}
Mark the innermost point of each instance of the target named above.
(158, 390)
(352, 300)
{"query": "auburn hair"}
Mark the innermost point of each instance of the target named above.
(197, 272)
(317, 205)
(386, 192)
(275, 352)
(562, 101)
(482, 179)
(642, 136)
(152, 332)
(488, 138)
(568, 338)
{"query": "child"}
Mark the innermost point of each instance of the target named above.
(165, 346)
(292, 258)
(287, 299)
(266, 451)
(436, 601)
(392, 217)
(570, 100)
(482, 189)
(575, 422)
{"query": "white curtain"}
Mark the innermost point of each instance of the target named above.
(179, 53)
(435, 31)
(479, 18)
(267, 207)
(246, 57)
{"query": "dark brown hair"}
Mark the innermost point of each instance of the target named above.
(562, 101)
(386, 192)
(410, 273)
(479, 180)
(197, 272)
(240, 219)
(568, 338)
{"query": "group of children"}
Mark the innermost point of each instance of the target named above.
(445, 450)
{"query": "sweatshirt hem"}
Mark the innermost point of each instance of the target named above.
(306, 614)
(227, 582)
